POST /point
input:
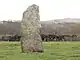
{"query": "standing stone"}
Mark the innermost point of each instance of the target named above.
(30, 30)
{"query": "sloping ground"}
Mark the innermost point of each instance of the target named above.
(67, 20)
(52, 51)
(9, 28)
(60, 26)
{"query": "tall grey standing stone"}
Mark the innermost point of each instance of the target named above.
(30, 30)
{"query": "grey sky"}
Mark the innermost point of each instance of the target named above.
(49, 9)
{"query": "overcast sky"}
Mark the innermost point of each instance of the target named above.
(49, 9)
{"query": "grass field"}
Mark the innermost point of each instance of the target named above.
(52, 51)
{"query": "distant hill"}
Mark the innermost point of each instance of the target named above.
(59, 26)
(7, 27)
(67, 20)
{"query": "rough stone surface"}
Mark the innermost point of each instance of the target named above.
(30, 30)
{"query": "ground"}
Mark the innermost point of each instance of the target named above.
(52, 51)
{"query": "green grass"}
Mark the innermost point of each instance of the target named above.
(52, 51)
